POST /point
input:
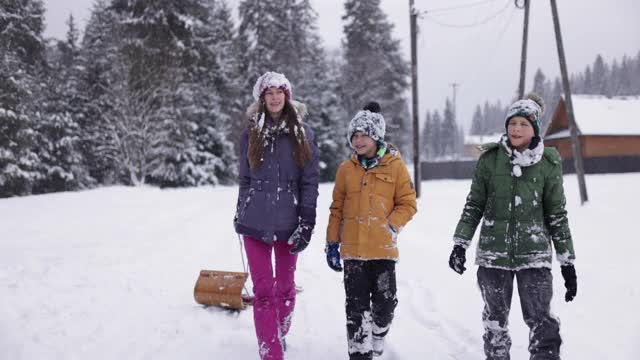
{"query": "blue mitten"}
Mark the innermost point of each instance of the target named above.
(333, 256)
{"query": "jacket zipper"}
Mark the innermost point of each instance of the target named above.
(512, 224)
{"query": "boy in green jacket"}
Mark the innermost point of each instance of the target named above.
(517, 189)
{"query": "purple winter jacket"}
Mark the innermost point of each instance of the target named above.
(274, 196)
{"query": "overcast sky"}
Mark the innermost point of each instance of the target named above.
(483, 59)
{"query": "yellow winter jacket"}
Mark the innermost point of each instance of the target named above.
(365, 203)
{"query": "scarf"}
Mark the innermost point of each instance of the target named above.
(522, 159)
(374, 161)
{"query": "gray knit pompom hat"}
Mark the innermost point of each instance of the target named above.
(530, 108)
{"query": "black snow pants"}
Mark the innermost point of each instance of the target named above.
(535, 290)
(370, 288)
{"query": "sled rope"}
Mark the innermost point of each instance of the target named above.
(244, 266)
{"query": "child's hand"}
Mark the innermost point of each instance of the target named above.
(570, 281)
(333, 256)
(300, 238)
(457, 259)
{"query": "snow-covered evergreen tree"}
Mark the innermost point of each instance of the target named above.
(374, 68)
(540, 84)
(170, 62)
(587, 84)
(477, 122)
(449, 130)
(317, 86)
(59, 105)
(435, 135)
(228, 79)
(98, 55)
(21, 62)
(551, 103)
(425, 144)
(196, 149)
(622, 77)
(635, 87)
(329, 121)
(599, 76)
(282, 36)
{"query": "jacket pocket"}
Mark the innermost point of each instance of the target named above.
(245, 204)
(385, 185)
(534, 238)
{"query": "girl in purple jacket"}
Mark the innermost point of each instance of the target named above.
(279, 173)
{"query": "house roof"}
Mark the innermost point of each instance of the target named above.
(599, 115)
(481, 139)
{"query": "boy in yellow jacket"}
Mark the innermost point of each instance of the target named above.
(373, 199)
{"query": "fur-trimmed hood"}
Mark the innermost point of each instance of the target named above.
(254, 109)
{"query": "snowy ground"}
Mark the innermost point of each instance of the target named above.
(109, 274)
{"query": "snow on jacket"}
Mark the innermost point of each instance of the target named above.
(273, 196)
(522, 214)
(365, 203)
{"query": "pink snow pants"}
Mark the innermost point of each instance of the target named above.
(275, 297)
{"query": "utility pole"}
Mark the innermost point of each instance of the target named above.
(413, 18)
(575, 141)
(454, 86)
(523, 57)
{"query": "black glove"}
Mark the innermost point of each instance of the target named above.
(302, 235)
(570, 281)
(300, 238)
(457, 259)
(333, 256)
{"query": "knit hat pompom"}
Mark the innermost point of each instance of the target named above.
(368, 121)
(373, 106)
(538, 100)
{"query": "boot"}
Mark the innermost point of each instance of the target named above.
(378, 345)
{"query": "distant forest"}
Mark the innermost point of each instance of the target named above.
(442, 138)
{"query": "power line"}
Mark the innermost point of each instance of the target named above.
(474, 24)
(465, 6)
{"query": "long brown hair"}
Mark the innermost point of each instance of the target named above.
(259, 134)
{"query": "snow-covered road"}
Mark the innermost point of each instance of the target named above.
(109, 274)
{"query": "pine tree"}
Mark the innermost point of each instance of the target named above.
(57, 132)
(374, 68)
(540, 83)
(228, 79)
(587, 86)
(316, 83)
(260, 30)
(551, 105)
(636, 76)
(613, 79)
(170, 129)
(460, 142)
(436, 136)
(449, 130)
(99, 53)
(195, 149)
(624, 77)
(282, 36)
(477, 123)
(425, 137)
(599, 77)
(329, 123)
(22, 59)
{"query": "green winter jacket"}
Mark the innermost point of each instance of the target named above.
(522, 215)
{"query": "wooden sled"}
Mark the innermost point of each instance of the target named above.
(222, 288)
